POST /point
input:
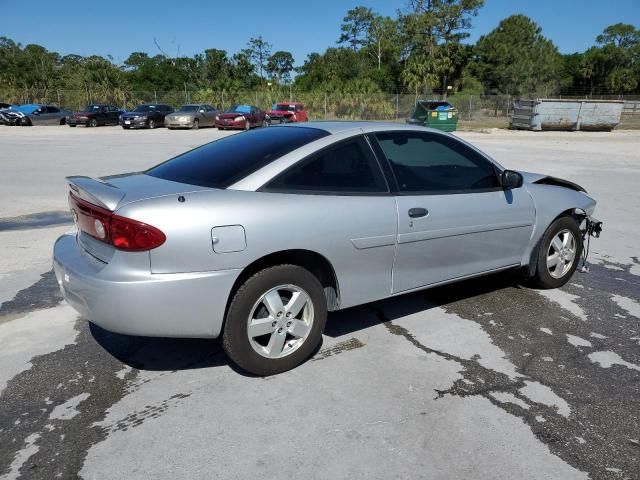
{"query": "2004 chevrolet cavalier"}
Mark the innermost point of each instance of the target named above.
(256, 236)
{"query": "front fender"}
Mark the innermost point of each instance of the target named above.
(550, 202)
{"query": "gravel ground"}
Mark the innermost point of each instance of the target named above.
(483, 379)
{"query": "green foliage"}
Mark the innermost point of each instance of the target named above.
(419, 51)
(515, 58)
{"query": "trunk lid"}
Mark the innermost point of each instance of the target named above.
(108, 194)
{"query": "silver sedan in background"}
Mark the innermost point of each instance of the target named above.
(192, 116)
(256, 236)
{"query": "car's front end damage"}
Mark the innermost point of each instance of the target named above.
(12, 117)
(555, 197)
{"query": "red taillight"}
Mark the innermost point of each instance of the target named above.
(131, 235)
(123, 233)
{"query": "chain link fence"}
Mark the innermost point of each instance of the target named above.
(475, 111)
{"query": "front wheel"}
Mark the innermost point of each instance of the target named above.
(247, 125)
(275, 320)
(559, 253)
(93, 122)
(152, 124)
(196, 124)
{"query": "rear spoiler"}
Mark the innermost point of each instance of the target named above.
(96, 191)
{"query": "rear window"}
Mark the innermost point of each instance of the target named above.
(221, 163)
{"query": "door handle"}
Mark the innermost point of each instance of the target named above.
(418, 212)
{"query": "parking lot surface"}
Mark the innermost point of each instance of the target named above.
(483, 379)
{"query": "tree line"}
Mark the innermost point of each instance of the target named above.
(422, 50)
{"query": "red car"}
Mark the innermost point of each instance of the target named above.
(288, 112)
(241, 117)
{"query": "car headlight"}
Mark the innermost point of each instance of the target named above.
(239, 119)
(183, 119)
(218, 117)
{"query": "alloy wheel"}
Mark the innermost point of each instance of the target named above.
(561, 254)
(280, 321)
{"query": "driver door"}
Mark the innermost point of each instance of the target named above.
(454, 219)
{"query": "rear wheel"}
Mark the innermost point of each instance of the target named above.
(25, 122)
(63, 121)
(559, 253)
(126, 127)
(275, 320)
(74, 126)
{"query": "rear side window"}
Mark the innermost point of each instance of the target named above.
(222, 163)
(348, 167)
(433, 163)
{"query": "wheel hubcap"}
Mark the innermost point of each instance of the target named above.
(280, 321)
(561, 254)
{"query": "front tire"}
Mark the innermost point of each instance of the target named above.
(152, 124)
(275, 320)
(93, 123)
(196, 124)
(558, 254)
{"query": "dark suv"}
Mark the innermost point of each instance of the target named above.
(150, 115)
(95, 114)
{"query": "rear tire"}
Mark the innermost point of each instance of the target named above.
(558, 254)
(73, 126)
(292, 331)
(126, 128)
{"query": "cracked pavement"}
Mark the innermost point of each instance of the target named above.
(483, 379)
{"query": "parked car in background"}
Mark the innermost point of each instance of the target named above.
(36, 114)
(192, 116)
(287, 112)
(4, 120)
(150, 115)
(255, 236)
(95, 114)
(242, 117)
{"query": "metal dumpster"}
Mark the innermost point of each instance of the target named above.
(435, 114)
(558, 114)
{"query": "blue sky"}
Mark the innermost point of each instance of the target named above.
(118, 27)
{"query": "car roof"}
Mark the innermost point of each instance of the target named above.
(333, 127)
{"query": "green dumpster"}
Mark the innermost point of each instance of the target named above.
(435, 114)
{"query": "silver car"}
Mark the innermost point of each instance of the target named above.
(192, 116)
(35, 114)
(256, 236)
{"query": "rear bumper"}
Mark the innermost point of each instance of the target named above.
(141, 303)
(131, 123)
(231, 124)
(76, 121)
(178, 123)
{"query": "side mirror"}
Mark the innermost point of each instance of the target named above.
(201, 110)
(510, 179)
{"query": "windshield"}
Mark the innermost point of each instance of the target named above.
(240, 109)
(92, 108)
(283, 107)
(210, 165)
(189, 108)
(145, 108)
